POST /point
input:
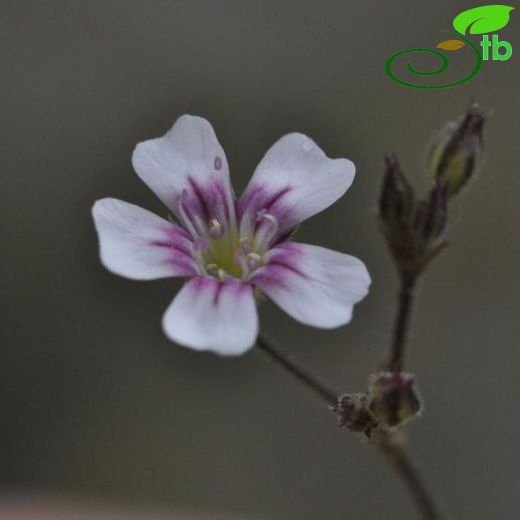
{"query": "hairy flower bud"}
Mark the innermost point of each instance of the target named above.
(454, 154)
(396, 200)
(393, 399)
(351, 412)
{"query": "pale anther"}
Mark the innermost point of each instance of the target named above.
(271, 219)
(254, 260)
(267, 230)
(215, 229)
(245, 244)
(212, 268)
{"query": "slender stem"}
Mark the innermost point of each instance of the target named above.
(404, 467)
(319, 389)
(402, 320)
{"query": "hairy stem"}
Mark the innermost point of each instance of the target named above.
(311, 382)
(401, 324)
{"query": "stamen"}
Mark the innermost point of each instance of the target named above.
(245, 244)
(212, 269)
(254, 261)
(240, 259)
(196, 226)
(217, 272)
(271, 218)
(215, 229)
(184, 216)
(266, 232)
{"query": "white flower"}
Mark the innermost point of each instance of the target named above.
(229, 250)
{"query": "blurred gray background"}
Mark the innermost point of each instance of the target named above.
(97, 403)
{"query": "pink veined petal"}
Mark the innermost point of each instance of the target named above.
(314, 285)
(137, 244)
(293, 181)
(188, 170)
(208, 314)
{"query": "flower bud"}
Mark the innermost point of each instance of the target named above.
(455, 152)
(396, 200)
(351, 412)
(393, 399)
(431, 216)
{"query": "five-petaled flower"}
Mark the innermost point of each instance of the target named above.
(232, 250)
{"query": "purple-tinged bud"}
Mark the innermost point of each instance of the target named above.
(431, 216)
(396, 211)
(397, 198)
(456, 151)
(393, 399)
(351, 412)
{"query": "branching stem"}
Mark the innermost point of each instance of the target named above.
(394, 454)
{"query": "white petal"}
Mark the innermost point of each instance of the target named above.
(187, 159)
(211, 315)
(294, 181)
(137, 244)
(314, 285)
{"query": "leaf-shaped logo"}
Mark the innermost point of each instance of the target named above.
(484, 19)
(450, 45)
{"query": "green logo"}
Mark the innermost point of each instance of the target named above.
(480, 20)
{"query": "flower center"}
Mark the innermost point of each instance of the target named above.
(222, 253)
